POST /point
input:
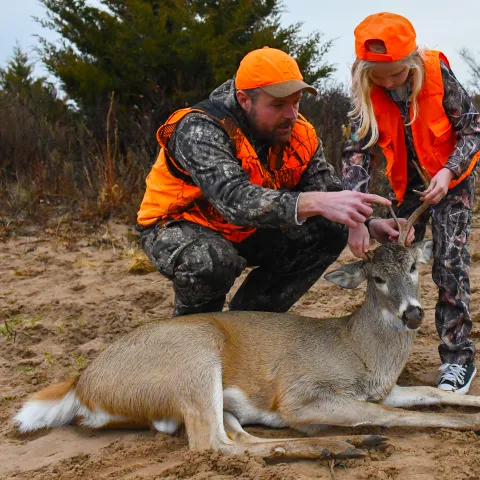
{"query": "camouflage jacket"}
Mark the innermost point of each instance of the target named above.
(357, 164)
(204, 149)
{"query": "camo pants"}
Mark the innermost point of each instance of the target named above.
(451, 221)
(203, 265)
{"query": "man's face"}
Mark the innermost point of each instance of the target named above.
(272, 118)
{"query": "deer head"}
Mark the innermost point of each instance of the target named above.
(391, 272)
(392, 280)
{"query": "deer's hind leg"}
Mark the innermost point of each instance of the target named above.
(235, 431)
(203, 412)
(405, 397)
(333, 447)
(284, 447)
(204, 422)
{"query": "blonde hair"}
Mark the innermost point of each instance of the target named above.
(362, 86)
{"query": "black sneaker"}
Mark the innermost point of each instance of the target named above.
(456, 378)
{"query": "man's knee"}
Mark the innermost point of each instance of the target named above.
(202, 264)
(207, 269)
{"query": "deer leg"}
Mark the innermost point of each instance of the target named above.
(372, 442)
(203, 418)
(204, 423)
(411, 396)
(235, 431)
(310, 430)
(295, 448)
(329, 447)
(343, 411)
(338, 446)
(205, 432)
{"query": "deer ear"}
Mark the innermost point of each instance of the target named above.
(348, 276)
(423, 251)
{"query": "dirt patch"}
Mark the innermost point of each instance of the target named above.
(63, 299)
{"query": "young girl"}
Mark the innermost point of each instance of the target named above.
(408, 103)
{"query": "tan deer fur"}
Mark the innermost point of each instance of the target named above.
(218, 371)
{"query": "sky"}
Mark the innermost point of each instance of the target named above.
(446, 25)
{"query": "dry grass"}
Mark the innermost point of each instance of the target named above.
(140, 264)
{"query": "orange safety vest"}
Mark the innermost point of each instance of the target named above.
(171, 195)
(434, 137)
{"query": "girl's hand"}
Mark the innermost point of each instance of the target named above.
(438, 187)
(386, 230)
(359, 240)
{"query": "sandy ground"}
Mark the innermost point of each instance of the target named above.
(66, 292)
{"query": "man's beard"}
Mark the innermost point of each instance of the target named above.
(272, 138)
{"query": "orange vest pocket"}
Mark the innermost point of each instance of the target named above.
(443, 139)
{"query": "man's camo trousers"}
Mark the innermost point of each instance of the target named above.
(203, 265)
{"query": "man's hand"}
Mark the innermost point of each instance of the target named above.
(438, 187)
(384, 231)
(359, 240)
(347, 207)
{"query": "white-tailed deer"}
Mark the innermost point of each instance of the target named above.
(215, 372)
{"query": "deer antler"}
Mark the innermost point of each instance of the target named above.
(402, 237)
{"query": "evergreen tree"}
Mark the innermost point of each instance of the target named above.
(17, 83)
(39, 134)
(158, 55)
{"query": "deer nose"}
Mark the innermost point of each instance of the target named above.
(412, 317)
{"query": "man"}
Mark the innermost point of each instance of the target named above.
(241, 180)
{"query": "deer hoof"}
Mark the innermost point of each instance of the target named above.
(376, 442)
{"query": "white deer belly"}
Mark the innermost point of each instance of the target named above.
(237, 403)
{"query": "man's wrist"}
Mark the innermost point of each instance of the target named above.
(309, 204)
(298, 219)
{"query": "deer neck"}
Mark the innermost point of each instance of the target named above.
(380, 337)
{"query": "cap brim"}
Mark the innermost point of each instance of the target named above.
(284, 89)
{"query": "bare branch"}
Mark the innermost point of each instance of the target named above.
(474, 67)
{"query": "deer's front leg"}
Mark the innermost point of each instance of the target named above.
(343, 411)
(411, 396)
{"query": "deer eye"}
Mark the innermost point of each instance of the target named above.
(379, 281)
(413, 269)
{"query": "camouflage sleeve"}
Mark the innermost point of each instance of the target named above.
(356, 163)
(205, 150)
(319, 176)
(465, 120)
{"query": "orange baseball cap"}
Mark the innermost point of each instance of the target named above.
(395, 31)
(273, 71)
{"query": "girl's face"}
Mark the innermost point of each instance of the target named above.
(389, 75)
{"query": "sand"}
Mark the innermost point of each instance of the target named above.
(66, 292)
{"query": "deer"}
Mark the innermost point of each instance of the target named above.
(214, 373)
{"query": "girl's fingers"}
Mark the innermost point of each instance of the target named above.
(411, 235)
(366, 244)
(430, 195)
(358, 252)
